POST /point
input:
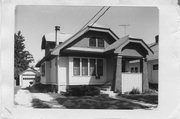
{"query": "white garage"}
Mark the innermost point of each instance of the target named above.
(27, 77)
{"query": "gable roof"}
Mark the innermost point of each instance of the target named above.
(29, 70)
(50, 38)
(56, 50)
(125, 40)
(154, 47)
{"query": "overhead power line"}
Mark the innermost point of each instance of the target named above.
(101, 16)
(93, 17)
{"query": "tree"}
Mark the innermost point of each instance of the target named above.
(22, 58)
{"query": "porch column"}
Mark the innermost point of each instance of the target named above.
(118, 76)
(145, 82)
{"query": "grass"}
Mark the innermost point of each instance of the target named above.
(36, 103)
(153, 99)
(96, 102)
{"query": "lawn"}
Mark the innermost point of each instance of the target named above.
(84, 102)
(153, 99)
(88, 102)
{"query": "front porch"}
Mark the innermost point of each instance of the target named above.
(125, 75)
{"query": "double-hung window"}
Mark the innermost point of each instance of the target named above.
(76, 66)
(84, 67)
(87, 67)
(92, 67)
(96, 42)
(92, 42)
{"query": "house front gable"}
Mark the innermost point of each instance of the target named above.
(89, 38)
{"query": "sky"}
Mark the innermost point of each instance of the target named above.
(35, 21)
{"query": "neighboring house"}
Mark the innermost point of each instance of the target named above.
(27, 76)
(152, 63)
(94, 56)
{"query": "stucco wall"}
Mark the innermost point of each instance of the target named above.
(130, 81)
(53, 79)
(85, 80)
(152, 75)
(47, 72)
(110, 68)
(63, 70)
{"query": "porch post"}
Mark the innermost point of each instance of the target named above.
(118, 75)
(145, 82)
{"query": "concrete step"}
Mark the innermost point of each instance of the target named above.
(110, 93)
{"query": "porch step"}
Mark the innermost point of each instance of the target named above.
(106, 86)
(109, 93)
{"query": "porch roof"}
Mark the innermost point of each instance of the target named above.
(124, 41)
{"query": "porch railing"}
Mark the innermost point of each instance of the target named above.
(130, 81)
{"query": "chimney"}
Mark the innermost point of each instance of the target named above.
(57, 28)
(157, 38)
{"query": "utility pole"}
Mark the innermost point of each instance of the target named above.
(125, 26)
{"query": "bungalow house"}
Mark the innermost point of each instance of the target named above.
(27, 76)
(94, 56)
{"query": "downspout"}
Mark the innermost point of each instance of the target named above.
(57, 28)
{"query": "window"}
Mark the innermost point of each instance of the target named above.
(43, 69)
(100, 42)
(84, 67)
(92, 42)
(100, 67)
(76, 66)
(96, 42)
(136, 69)
(87, 67)
(155, 67)
(132, 69)
(92, 67)
(28, 78)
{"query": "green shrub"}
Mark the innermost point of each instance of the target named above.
(82, 90)
(134, 91)
(150, 91)
(42, 88)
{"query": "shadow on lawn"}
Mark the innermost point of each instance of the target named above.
(153, 99)
(96, 102)
(36, 103)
